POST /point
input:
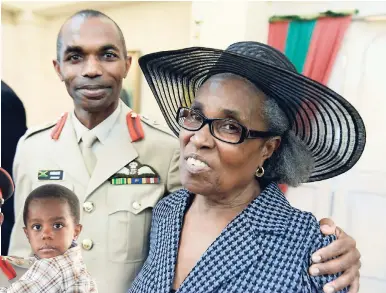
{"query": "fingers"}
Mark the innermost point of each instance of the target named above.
(349, 278)
(1, 218)
(327, 226)
(343, 245)
(354, 286)
(338, 265)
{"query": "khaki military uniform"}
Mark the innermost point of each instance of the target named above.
(116, 218)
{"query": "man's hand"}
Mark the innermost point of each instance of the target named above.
(1, 218)
(347, 259)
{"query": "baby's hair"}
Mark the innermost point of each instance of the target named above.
(54, 191)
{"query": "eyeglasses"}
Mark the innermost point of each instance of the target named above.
(226, 130)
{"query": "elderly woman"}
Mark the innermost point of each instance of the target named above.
(246, 122)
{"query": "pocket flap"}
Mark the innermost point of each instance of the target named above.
(134, 199)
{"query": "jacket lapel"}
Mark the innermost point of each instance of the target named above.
(117, 153)
(168, 235)
(241, 244)
(237, 248)
(67, 154)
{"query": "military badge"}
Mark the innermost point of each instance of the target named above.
(50, 175)
(135, 173)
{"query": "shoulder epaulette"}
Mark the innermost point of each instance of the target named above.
(55, 134)
(34, 130)
(59, 123)
(157, 125)
(134, 126)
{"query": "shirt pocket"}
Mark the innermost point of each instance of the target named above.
(129, 219)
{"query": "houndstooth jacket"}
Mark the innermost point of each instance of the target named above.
(267, 249)
(65, 273)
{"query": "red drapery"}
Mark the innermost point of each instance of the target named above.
(325, 44)
(277, 35)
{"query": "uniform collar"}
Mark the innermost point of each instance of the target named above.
(101, 131)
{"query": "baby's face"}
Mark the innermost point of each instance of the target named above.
(50, 227)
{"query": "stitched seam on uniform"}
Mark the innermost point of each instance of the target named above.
(170, 163)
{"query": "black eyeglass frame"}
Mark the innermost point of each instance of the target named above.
(245, 134)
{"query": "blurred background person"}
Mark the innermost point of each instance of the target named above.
(13, 126)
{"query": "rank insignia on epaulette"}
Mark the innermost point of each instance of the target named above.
(50, 175)
(135, 173)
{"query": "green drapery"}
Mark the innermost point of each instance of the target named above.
(298, 41)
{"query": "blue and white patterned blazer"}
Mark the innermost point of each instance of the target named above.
(267, 248)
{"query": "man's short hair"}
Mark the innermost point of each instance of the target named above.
(88, 13)
(54, 191)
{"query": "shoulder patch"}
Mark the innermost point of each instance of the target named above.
(157, 125)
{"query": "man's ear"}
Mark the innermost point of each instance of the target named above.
(128, 65)
(56, 64)
(26, 233)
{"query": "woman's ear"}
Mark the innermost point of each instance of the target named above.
(270, 146)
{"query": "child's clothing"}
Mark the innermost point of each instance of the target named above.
(65, 273)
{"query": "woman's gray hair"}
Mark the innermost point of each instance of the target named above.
(292, 163)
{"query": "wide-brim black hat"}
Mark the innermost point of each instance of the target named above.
(330, 126)
(7, 187)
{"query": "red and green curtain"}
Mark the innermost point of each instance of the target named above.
(310, 42)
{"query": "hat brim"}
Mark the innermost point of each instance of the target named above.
(330, 126)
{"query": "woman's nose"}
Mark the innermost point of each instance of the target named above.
(202, 138)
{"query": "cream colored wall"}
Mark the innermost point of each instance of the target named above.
(227, 22)
(29, 47)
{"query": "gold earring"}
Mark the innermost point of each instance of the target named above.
(259, 172)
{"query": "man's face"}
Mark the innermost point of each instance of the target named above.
(92, 63)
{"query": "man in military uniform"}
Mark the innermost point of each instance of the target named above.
(92, 62)
(89, 150)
